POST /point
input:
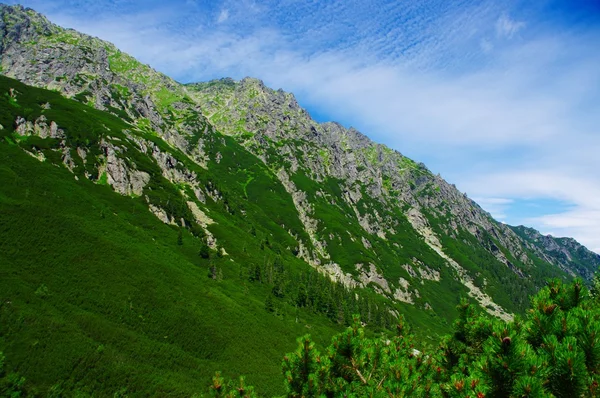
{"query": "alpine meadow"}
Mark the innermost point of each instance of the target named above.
(213, 239)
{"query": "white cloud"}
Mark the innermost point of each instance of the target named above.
(544, 183)
(581, 220)
(507, 27)
(496, 201)
(519, 117)
(223, 16)
(495, 206)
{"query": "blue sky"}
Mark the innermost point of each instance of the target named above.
(502, 98)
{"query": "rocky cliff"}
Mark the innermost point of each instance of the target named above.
(566, 253)
(363, 214)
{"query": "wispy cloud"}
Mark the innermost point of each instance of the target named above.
(495, 206)
(223, 16)
(503, 104)
(486, 45)
(580, 190)
(507, 27)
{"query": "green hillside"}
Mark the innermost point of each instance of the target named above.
(98, 295)
(239, 162)
(152, 233)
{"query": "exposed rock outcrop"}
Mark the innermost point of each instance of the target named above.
(124, 179)
(357, 202)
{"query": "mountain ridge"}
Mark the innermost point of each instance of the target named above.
(409, 227)
(258, 201)
(262, 120)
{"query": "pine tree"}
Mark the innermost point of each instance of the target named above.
(278, 289)
(255, 274)
(179, 238)
(222, 388)
(305, 370)
(553, 352)
(270, 303)
(508, 363)
(204, 251)
(302, 296)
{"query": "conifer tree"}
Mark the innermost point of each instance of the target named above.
(204, 251)
(305, 370)
(302, 296)
(222, 388)
(270, 303)
(554, 351)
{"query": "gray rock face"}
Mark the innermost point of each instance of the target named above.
(343, 154)
(375, 190)
(123, 178)
(565, 253)
(41, 54)
(39, 127)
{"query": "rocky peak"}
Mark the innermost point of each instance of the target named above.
(19, 25)
(253, 87)
(92, 71)
(565, 253)
(252, 82)
(358, 202)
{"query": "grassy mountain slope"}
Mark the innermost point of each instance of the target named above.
(152, 233)
(411, 222)
(98, 295)
(565, 253)
(361, 213)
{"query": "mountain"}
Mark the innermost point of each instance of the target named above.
(213, 222)
(565, 253)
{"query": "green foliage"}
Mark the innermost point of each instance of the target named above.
(553, 352)
(355, 365)
(11, 384)
(204, 251)
(97, 295)
(305, 370)
(221, 388)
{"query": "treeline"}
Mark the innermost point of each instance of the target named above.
(554, 351)
(317, 293)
